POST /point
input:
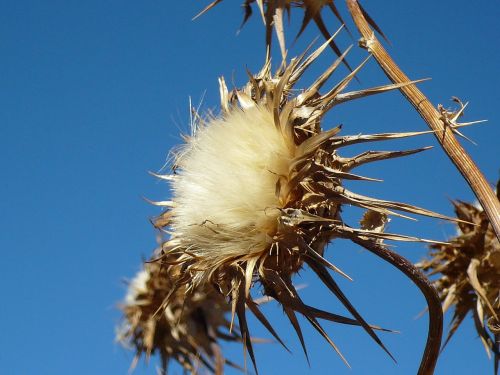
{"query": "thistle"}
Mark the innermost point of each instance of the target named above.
(469, 269)
(258, 194)
(187, 330)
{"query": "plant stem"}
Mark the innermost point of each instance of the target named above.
(442, 131)
(433, 344)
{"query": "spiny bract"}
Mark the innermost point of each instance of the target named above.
(257, 194)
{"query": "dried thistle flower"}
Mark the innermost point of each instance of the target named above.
(257, 194)
(272, 12)
(187, 330)
(469, 269)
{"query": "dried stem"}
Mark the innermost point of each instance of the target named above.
(443, 131)
(432, 347)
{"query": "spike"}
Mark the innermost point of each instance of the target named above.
(371, 156)
(254, 308)
(332, 285)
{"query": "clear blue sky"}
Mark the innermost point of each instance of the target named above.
(93, 94)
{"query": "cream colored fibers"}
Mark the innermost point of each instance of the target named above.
(225, 194)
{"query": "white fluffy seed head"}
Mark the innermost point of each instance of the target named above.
(225, 195)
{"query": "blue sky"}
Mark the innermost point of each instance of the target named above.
(94, 94)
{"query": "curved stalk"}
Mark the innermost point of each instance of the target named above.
(433, 344)
(442, 131)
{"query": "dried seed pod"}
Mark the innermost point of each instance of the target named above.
(273, 11)
(187, 329)
(257, 194)
(469, 275)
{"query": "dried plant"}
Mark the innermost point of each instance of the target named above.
(469, 275)
(258, 194)
(187, 330)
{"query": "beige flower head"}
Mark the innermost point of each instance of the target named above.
(469, 276)
(258, 193)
